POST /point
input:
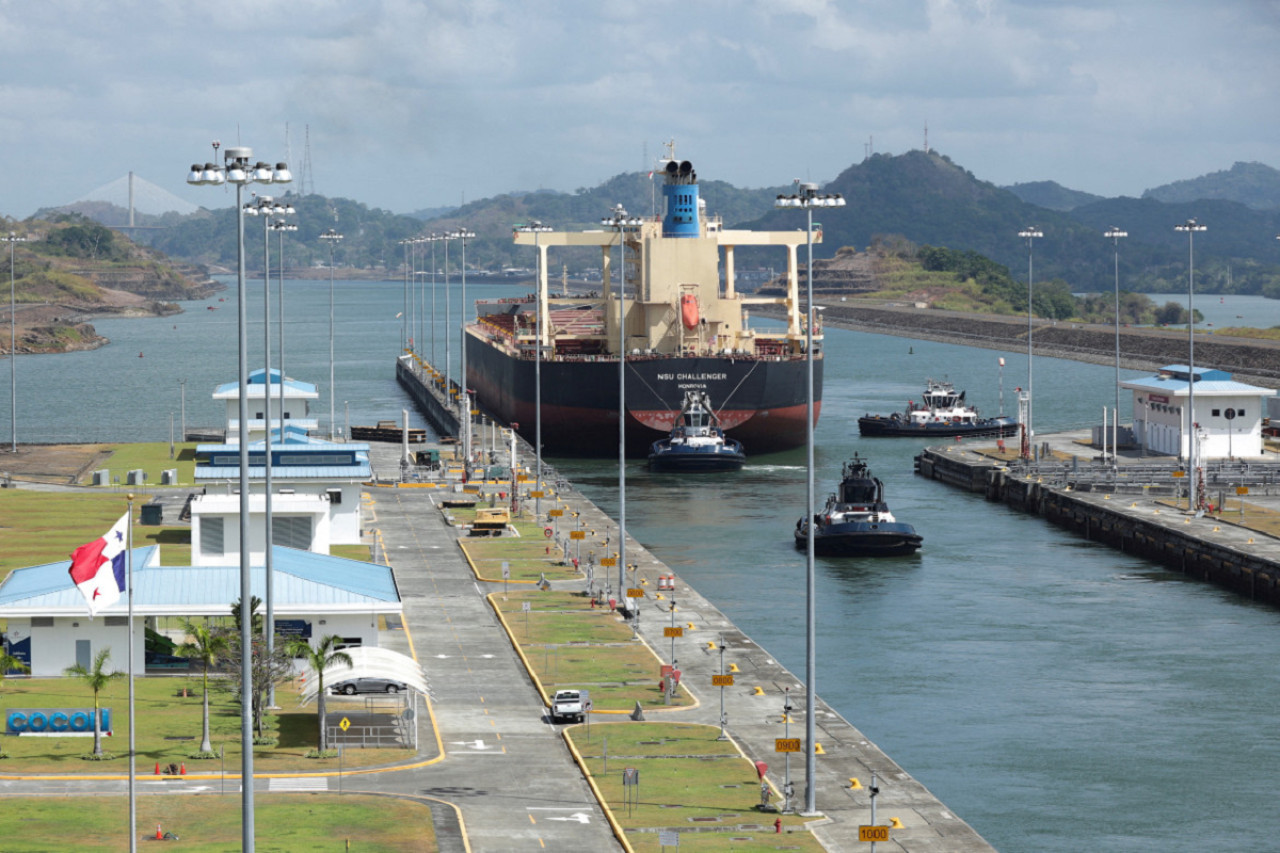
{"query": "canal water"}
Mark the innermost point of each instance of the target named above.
(1057, 695)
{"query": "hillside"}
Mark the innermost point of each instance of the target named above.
(921, 196)
(1051, 195)
(1254, 185)
(72, 269)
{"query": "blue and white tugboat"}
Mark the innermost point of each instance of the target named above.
(697, 444)
(856, 521)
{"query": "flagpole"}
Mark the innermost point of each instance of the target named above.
(133, 799)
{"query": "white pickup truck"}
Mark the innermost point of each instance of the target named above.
(569, 705)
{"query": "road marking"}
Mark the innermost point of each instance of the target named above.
(580, 817)
(474, 744)
(320, 783)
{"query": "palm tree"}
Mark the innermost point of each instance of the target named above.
(97, 678)
(324, 655)
(206, 647)
(9, 663)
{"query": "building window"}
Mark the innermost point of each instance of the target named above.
(1217, 413)
(211, 535)
(292, 531)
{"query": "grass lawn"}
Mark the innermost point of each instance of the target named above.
(45, 527)
(169, 728)
(570, 644)
(151, 457)
(282, 822)
(528, 557)
(687, 781)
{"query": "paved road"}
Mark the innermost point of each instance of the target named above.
(489, 754)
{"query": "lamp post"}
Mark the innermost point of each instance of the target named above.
(280, 226)
(1114, 235)
(465, 410)
(331, 237)
(536, 228)
(420, 309)
(237, 169)
(266, 207)
(1029, 234)
(619, 220)
(13, 352)
(448, 366)
(1193, 493)
(433, 238)
(808, 197)
(404, 311)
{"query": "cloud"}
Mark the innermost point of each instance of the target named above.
(416, 103)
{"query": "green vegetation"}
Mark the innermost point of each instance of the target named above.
(56, 286)
(205, 647)
(211, 824)
(96, 678)
(151, 457)
(967, 281)
(45, 527)
(570, 643)
(170, 714)
(326, 653)
(687, 780)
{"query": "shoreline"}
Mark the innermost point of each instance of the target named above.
(1252, 360)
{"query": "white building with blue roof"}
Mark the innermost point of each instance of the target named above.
(313, 595)
(265, 412)
(1228, 414)
(315, 501)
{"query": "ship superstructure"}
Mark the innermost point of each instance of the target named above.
(684, 328)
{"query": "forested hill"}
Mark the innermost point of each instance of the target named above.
(921, 196)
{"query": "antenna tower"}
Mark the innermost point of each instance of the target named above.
(307, 185)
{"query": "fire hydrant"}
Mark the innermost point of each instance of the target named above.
(777, 825)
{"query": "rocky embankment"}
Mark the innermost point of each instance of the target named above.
(1254, 361)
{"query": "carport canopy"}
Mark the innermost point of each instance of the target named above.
(367, 662)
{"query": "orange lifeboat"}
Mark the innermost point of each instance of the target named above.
(689, 311)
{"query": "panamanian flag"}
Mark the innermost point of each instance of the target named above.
(98, 567)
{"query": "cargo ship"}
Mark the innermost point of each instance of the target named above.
(675, 319)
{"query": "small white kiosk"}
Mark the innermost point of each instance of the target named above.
(1228, 414)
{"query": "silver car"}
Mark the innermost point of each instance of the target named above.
(353, 686)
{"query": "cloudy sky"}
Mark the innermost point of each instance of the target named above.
(423, 103)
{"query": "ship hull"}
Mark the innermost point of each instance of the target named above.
(874, 426)
(760, 402)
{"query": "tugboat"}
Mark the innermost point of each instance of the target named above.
(856, 521)
(697, 443)
(942, 414)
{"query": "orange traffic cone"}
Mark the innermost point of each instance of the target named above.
(183, 769)
(159, 834)
(157, 768)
